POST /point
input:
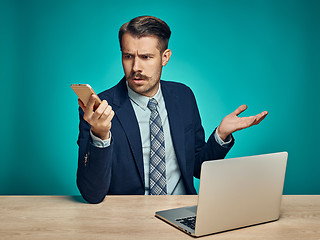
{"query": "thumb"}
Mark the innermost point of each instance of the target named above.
(240, 109)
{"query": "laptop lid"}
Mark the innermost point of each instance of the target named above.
(240, 192)
(234, 193)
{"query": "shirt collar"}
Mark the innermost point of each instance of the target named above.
(142, 101)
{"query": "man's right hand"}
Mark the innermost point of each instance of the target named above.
(99, 119)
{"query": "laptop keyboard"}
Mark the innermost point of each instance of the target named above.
(188, 221)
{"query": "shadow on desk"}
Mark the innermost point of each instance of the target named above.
(77, 199)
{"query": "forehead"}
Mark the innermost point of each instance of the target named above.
(142, 44)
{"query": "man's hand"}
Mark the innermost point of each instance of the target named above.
(99, 119)
(232, 123)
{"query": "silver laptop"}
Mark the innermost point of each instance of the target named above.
(233, 193)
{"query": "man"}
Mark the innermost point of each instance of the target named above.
(146, 136)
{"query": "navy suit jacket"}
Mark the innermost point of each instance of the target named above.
(118, 169)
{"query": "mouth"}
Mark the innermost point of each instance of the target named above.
(138, 81)
(138, 78)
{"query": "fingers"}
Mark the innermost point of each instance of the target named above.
(100, 119)
(246, 122)
(110, 116)
(89, 108)
(107, 114)
(100, 114)
(254, 120)
(260, 117)
(240, 109)
(100, 111)
(91, 102)
(81, 104)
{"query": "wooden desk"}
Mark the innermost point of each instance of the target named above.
(132, 217)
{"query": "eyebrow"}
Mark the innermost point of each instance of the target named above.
(140, 54)
(147, 54)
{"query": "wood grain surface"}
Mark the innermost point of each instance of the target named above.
(132, 217)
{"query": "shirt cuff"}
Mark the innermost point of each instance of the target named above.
(97, 142)
(222, 143)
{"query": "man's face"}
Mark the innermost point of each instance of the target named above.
(142, 63)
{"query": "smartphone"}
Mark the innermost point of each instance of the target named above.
(84, 91)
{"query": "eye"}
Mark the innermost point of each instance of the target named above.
(146, 57)
(127, 56)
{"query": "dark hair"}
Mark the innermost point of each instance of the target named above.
(147, 26)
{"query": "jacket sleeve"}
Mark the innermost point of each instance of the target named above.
(94, 165)
(204, 151)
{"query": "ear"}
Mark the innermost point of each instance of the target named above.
(166, 56)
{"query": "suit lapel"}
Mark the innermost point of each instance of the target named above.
(128, 120)
(176, 125)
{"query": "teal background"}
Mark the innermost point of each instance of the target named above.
(261, 53)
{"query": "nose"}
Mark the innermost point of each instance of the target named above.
(136, 65)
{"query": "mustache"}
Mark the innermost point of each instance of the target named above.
(138, 75)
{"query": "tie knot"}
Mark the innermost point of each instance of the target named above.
(152, 104)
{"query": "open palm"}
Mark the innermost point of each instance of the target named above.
(232, 123)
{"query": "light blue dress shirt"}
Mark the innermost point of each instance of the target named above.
(139, 103)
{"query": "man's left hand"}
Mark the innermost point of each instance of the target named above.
(232, 123)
